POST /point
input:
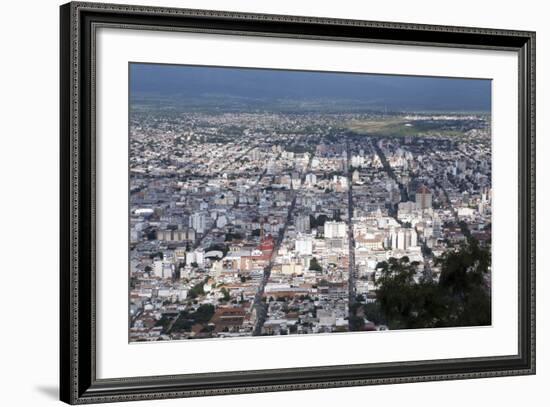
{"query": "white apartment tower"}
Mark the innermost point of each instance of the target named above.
(303, 224)
(335, 229)
(197, 221)
(403, 238)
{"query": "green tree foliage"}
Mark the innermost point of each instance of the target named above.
(225, 292)
(465, 229)
(463, 276)
(204, 313)
(317, 222)
(460, 298)
(187, 319)
(323, 282)
(196, 290)
(373, 313)
(164, 321)
(314, 265)
(356, 323)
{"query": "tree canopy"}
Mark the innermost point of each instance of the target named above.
(314, 265)
(460, 297)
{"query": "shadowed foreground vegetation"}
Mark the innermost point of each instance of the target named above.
(461, 297)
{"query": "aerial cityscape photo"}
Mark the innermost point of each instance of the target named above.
(280, 202)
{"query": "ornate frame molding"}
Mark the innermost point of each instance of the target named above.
(77, 246)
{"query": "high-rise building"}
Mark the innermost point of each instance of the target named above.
(197, 221)
(401, 243)
(304, 246)
(303, 224)
(403, 238)
(413, 238)
(423, 197)
(163, 269)
(335, 229)
(176, 235)
(164, 235)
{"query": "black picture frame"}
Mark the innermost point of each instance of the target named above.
(78, 382)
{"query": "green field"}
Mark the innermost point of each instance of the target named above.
(402, 128)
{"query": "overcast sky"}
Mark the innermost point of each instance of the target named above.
(395, 92)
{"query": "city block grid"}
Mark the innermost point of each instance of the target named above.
(251, 224)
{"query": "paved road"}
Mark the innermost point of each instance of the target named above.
(351, 238)
(259, 306)
(466, 229)
(464, 226)
(391, 174)
(389, 170)
(262, 175)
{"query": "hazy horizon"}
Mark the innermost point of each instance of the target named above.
(239, 88)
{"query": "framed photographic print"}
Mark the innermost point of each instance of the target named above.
(256, 203)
